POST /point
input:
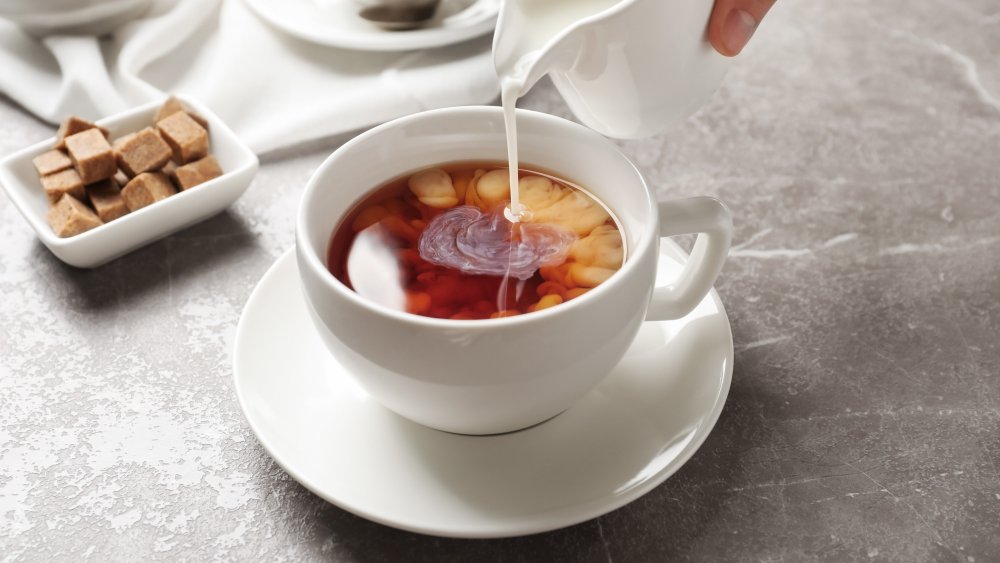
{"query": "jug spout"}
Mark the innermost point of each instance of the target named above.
(538, 37)
(528, 70)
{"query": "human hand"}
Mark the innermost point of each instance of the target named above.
(733, 23)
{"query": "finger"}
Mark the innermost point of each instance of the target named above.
(733, 23)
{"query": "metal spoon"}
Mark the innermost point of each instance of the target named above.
(399, 15)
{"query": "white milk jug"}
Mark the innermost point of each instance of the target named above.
(626, 68)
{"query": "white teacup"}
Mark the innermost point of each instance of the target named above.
(492, 376)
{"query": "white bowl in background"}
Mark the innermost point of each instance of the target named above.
(102, 244)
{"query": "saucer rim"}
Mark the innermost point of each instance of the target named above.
(534, 524)
(427, 39)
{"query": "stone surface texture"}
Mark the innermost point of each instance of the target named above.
(858, 145)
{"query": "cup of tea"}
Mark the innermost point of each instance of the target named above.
(427, 342)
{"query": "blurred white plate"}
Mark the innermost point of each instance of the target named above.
(77, 17)
(336, 23)
(625, 437)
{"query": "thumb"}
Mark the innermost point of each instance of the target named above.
(733, 23)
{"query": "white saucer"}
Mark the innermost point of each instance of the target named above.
(336, 23)
(623, 439)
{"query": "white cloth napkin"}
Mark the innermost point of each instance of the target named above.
(273, 89)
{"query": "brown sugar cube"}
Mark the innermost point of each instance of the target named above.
(118, 143)
(172, 106)
(63, 182)
(120, 179)
(73, 125)
(51, 162)
(92, 155)
(107, 200)
(198, 172)
(147, 188)
(170, 169)
(142, 152)
(69, 216)
(186, 138)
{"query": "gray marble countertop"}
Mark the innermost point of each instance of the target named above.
(858, 145)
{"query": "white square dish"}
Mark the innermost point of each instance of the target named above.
(143, 226)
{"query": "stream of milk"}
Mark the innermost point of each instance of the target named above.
(530, 25)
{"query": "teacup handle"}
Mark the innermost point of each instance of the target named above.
(711, 219)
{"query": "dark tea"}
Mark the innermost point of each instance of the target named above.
(441, 243)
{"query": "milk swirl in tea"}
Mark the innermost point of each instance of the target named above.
(438, 243)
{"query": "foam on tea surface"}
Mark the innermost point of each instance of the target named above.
(437, 243)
